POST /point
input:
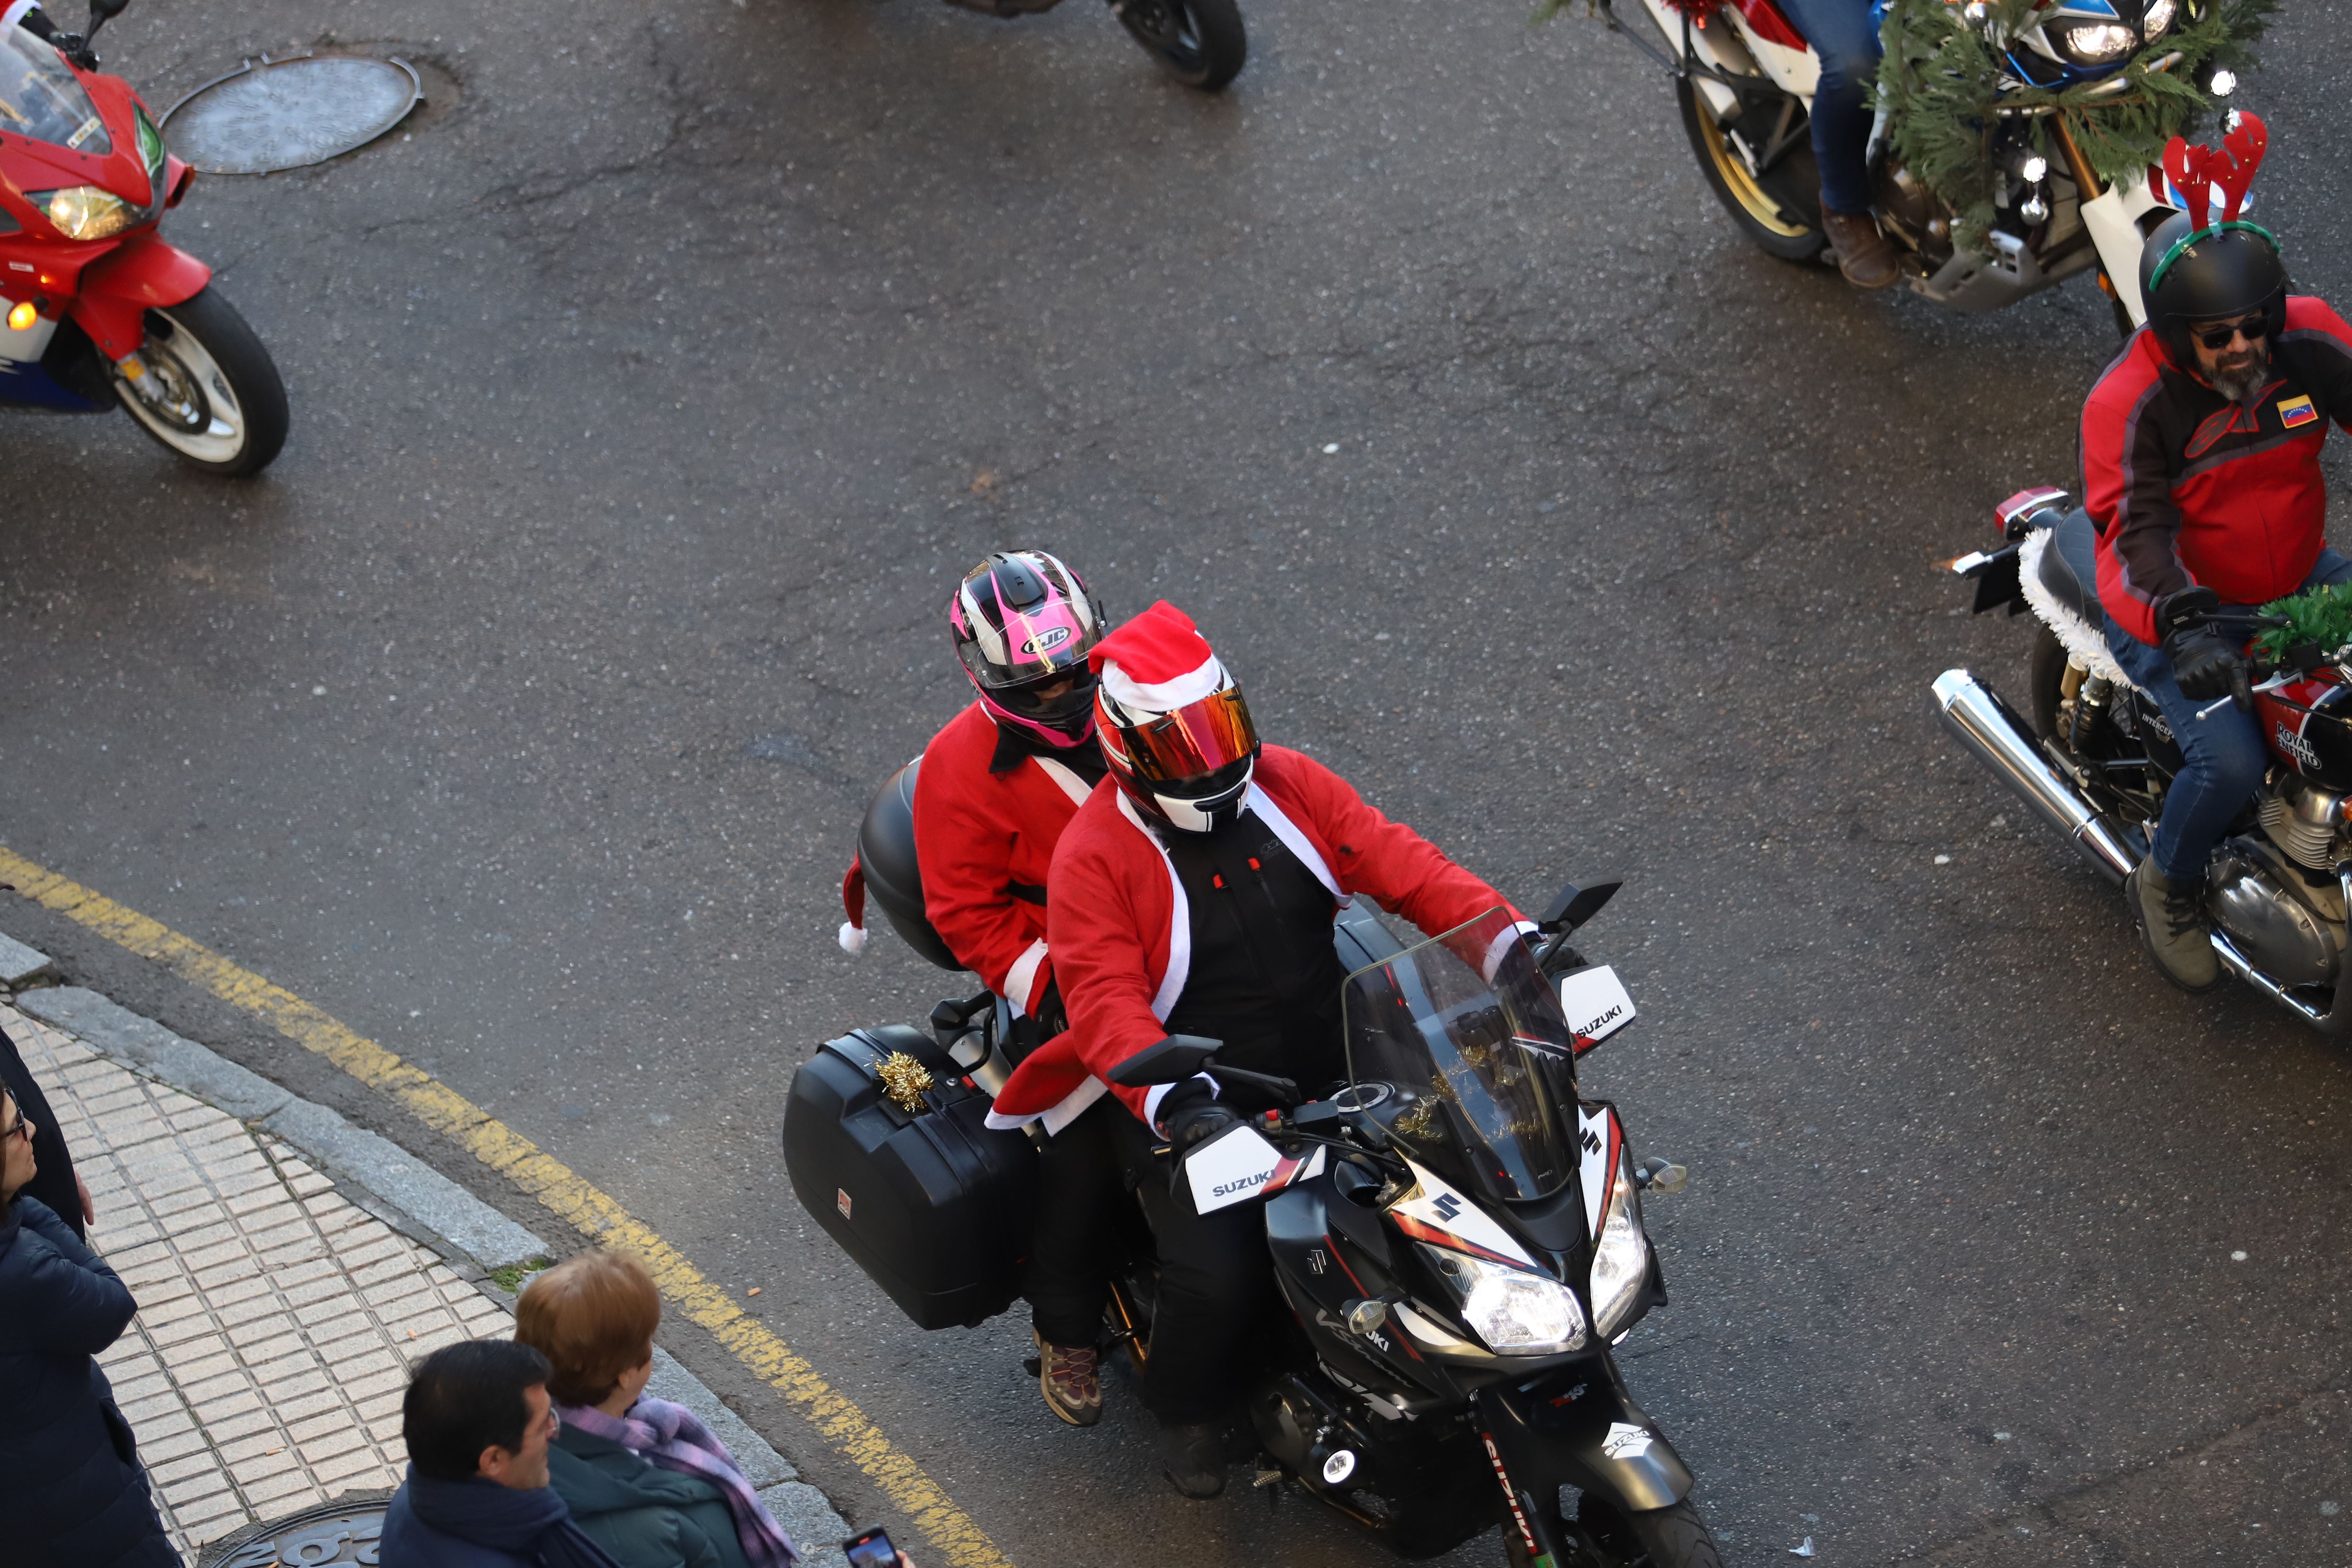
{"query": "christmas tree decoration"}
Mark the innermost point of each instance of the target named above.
(1944, 81)
(2320, 617)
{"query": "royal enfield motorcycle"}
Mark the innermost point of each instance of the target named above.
(1200, 43)
(96, 310)
(1743, 76)
(2098, 755)
(1455, 1228)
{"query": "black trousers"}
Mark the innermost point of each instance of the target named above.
(1215, 1286)
(1080, 1197)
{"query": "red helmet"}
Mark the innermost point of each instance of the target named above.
(1175, 730)
(1022, 621)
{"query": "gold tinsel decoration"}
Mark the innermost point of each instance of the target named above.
(904, 1080)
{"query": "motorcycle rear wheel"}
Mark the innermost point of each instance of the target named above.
(210, 393)
(1200, 43)
(1779, 209)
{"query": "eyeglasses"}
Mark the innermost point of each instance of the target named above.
(22, 1129)
(2255, 328)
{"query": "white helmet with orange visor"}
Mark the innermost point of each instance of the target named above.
(1174, 727)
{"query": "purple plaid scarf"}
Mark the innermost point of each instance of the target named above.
(674, 1437)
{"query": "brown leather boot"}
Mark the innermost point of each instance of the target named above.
(1863, 253)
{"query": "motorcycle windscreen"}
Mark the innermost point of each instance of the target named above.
(41, 99)
(1458, 1049)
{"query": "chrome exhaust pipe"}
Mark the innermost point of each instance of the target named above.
(2003, 743)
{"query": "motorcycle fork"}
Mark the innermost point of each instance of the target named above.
(1537, 1525)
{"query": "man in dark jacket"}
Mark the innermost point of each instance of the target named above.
(477, 1422)
(2200, 472)
(71, 1490)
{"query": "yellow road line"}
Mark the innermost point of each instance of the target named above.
(592, 1212)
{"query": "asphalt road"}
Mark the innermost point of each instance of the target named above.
(651, 391)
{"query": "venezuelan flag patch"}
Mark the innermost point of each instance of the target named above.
(2296, 412)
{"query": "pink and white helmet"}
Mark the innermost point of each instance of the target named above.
(1022, 620)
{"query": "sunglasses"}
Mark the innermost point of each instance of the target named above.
(2218, 336)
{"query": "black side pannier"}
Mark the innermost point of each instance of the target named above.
(934, 1206)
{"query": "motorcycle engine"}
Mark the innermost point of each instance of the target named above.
(2302, 820)
(2287, 921)
(1921, 216)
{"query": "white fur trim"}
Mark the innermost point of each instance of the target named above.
(2076, 635)
(1022, 978)
(1167, 696)
(15, 13)
(1057, 1116)
(1179, 919)
(853, 938)
(1076, 788)
(1295, 841)
(1500, 946)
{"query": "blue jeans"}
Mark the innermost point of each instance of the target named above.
(2223, 755)
(1845, 36)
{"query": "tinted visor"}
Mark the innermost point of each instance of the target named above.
(1194, 742)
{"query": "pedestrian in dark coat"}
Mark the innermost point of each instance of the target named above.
(72, 1493)
(54, 1181)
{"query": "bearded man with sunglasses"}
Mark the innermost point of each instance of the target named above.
(2200, 473)
(1193, 894)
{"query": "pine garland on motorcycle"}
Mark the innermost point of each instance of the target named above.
(1949, 71)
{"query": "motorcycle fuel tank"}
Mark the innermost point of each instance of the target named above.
(2308, 726)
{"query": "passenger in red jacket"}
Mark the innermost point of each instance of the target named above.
(2200, 472)
(1195, 896)
(997, 787)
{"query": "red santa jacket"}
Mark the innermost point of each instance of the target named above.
(2188, 488)
(1121, 932)
(984, 836)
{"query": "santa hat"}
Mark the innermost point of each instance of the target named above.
(1157, 662)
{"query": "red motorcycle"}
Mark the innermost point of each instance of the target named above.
(97, 308)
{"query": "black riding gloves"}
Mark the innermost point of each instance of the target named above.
(1190, 1116)
(2209, 659)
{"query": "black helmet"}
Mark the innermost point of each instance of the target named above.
(2191, 274)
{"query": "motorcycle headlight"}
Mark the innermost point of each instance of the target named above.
(1516, 1312)
(1621, 1258)
(84, 212)
(2095, 43)
(2156, 20)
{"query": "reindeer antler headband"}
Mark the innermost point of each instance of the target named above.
(2195, 170)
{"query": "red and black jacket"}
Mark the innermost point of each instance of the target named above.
(2190, 490)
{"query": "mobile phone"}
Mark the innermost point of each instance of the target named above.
(871, 1549)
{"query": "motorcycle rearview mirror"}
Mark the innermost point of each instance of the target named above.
(102, 12)
(1656, 1175)
(1172, 1060)
(1575, 905)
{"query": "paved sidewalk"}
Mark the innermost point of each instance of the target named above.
(276, 1320)
(277, 1317)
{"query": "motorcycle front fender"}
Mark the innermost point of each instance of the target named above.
(1580, 1426)
(117, 291)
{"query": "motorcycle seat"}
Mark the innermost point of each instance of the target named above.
(2072, 542)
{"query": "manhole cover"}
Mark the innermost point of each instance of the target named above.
(344, 1531)
(286, 114)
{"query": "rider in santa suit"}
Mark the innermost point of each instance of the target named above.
(1196, 896)
(997, 787)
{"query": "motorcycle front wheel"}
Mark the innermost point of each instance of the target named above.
(1655, 1538)
(1778, 210)
(1199, 42)
(208, 390)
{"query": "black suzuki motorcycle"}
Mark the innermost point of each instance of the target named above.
(1455, 1230)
